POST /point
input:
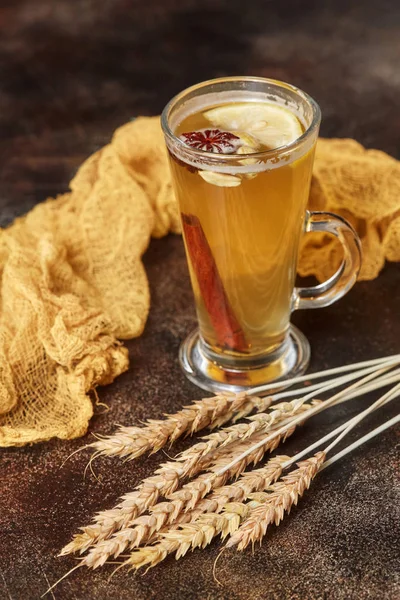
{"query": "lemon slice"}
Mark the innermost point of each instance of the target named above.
(272, 125)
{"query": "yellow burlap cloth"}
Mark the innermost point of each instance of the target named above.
(73, 283)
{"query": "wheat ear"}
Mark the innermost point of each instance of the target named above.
(241, 432)
(108, 522)
(132, 442)
(149, 558)
(201, 532)
(190, 536)
(280, 498)
(164, 482)
(167, 477)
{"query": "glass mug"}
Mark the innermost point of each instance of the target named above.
(243, 216)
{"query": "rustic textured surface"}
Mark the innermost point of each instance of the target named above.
(73, 71)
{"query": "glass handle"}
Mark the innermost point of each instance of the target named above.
(345, 277)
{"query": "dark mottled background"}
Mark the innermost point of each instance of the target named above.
(70, 73)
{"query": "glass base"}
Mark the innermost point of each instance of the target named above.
(289, 360)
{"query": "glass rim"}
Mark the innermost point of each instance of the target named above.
(203, 154)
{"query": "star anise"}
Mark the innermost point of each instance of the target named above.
(211, 140)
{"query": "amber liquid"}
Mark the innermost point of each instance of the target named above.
(251, 234)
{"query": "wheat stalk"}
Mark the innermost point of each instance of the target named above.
(355, 367)
(167, 477)
(362, 440)
(297, 419)
(263, 508)
(259, 513)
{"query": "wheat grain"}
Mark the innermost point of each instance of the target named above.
(278, 501)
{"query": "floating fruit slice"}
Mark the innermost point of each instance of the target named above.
(249, 142)
(272, 125)
(247, 150)
(220, 179)
(248, 161)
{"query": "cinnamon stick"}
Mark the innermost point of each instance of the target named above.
(226, 326)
